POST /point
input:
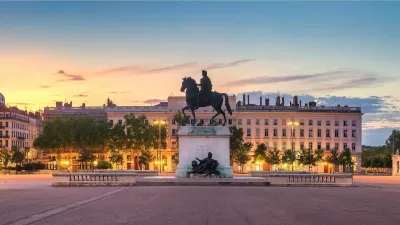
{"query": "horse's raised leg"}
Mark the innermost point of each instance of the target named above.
(194, 116)
(223, 114)
(183, 112)
(212, 119)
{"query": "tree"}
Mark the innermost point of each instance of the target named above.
(319, 156)
(242, 155)
(376, 157)
(236, 141)
(289, 157)
(145, 159)
(273, 157)
(308, 158)
(86, 156)
(116, 158)
(180, 119)
(102, 164)
(85, 139)
(393, 141)
(259, 152)
(5, 157)
(50, 139)
(17, 157)
(346, 160)
(334, 159)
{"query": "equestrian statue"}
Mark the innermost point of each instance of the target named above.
(204, 97)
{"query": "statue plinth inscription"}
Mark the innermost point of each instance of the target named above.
(202, 131)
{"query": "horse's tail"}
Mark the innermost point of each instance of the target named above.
(228, 107)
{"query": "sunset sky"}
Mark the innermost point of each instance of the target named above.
(137, 53)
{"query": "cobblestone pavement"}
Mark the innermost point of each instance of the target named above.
(375, 200)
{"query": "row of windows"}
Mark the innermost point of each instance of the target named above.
(301, 123)
(19, 126)
(1, 143)
(310, 146)
(15, 125)
(19, 144)
(302, 133)
(266, 122)
(6, 124)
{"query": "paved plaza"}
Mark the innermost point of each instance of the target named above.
(29, 199)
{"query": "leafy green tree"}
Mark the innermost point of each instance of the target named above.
(103, 165)
(289, 157)
(346, 160)
(116, 158)
(145, 159)
(86, 156)
(17, 156)
(236, 141)
(334, 159)
(49, 140)
(308, 158)
(376, 157)
(5, 157)
(259, 153)
(393, 141)
(242, 155)
(273, 157)
(180, 119)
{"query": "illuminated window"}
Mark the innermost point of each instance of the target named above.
(266, 132)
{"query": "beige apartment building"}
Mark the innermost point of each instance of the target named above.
(19, 129)
(314, 127)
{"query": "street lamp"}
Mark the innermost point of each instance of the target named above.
(159, 156)
(292, 124)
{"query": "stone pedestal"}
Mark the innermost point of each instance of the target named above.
(197, 141)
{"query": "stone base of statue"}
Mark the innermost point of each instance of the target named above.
(197, 142)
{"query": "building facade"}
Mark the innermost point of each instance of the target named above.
(66, 109)
(280, 127)
(19, 129)
(314, 127)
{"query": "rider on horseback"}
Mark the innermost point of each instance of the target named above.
(205, 88)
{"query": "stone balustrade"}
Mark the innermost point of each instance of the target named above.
(266, 173)
(291, 179)
(93, 179)
(139, 173)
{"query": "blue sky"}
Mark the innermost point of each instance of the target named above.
(327, 51)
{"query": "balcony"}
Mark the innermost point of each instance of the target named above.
(27, 148)
(4, 136)
(2, 127)
(21, 138)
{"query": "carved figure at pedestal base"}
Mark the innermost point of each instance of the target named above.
(207, 166)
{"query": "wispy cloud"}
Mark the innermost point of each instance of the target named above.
(69, 77)
(347, 84)
(140, 70)
(44, 86)
(82, 95)
(153, 101)
(285, 78)
(144, 70)
(121, 92)
(228, 64)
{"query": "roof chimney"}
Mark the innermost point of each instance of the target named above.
(260, 100)
(244, 99)
(267, 102)
(248, 99)
(283, 101)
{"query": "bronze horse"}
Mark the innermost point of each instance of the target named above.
(213, 99)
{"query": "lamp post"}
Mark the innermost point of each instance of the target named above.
(159, 156)
(292, 124)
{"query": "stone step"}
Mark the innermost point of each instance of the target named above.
(173, 181)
